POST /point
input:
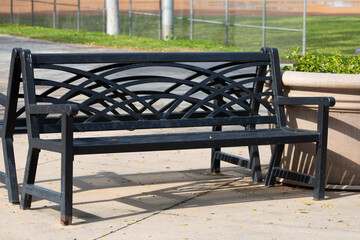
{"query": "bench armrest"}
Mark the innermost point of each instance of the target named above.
(325, 101)
(3, 99)
(68, 109)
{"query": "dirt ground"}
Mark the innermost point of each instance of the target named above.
(201, 7)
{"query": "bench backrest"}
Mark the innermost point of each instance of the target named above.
(154, 90)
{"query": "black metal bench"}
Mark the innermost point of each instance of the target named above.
(128, 91)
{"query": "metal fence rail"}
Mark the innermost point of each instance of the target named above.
(246, 24)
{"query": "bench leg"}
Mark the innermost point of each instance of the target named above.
(321, 151)
(215, 162)
(66, 204)
(10, 171)
(320, 172)
(29, 177)
(274, 162)
(66, 184)
(255, 164)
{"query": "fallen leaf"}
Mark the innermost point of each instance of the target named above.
(328, 205)
(306, 203)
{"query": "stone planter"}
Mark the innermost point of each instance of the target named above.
(343, 162)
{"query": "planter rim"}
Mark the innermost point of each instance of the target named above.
(321, 80)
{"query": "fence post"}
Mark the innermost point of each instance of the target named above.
(167, 19)
(227, 22)
(304, 28)
(11, 12)
(32, 13)
(112, 17)
(104, 16)
(160, 19)
(264, 24)
(191, 19)
(54, 15)
(78, 16)
(130, 17)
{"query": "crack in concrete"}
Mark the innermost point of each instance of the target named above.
(170, 207)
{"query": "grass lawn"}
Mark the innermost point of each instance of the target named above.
(325, 34)
(105, 40)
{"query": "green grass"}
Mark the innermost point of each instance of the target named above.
(329, 34)
(104, 40)
(325, 34)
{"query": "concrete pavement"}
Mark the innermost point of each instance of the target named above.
(167, 195)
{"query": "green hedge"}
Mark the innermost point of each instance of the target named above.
(335, 63)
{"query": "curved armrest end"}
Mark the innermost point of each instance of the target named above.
(331, 101)
(71, 109)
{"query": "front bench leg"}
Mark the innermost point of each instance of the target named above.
(321, 154)
(320, 172)
(10, 170)
(64, 198)
(66, 183)
(29, 177)
(66, 201)
(67, 158)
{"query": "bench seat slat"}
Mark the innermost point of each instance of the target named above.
(183, 140)
(173, 123)
(153, 124)
(192, 140)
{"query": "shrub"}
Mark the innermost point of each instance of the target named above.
(335, 63)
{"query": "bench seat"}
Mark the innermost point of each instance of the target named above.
(193, 140)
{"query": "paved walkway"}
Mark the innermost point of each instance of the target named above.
(168, 195)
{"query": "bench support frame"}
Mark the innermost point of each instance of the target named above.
(216, 139)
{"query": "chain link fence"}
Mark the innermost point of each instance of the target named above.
(247, 24)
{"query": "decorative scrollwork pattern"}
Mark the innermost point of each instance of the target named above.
(155, 91)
